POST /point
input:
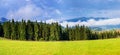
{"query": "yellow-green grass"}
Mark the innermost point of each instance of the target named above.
(86, 47)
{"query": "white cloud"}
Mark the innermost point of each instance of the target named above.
(113, 21)
(26, 12)
(32, 12)
(51, 21)
(91, 22)
(58, 12)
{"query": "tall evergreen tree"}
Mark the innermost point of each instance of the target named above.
(40, 31)
(54, 34)
(77, 32)
(36, 31)
(46, 32)
(13, 30)
(7, 29)
(22, 30)
(30, 30)
(17, 29)
(83, 33)
(1, 30)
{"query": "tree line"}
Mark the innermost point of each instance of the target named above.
(28, 30)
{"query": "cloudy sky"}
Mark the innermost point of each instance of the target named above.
(59, 9)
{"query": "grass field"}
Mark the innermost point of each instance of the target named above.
(87, 47)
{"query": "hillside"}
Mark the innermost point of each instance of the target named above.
(87, 47)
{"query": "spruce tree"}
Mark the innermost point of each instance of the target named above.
(13, 30)
(54, 33)
(22, 30)
(36, 31)
(40, 30)
(1, 30)
(7, 29)
(30, 30)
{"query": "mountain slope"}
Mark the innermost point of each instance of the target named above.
(86, 19)
(2, 19)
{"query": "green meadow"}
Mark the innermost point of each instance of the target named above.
(85, 47)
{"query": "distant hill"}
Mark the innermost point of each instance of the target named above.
(85, 19)
(2, 19)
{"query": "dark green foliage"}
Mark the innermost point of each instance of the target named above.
(17, 30)
(45, 31)
(22, 30)
(30, 30)
(65, 33)
(1, 30)
(50, 32)
(7, 29)
(40, 31)
(54, 32)
(36, 31)
(13, 30)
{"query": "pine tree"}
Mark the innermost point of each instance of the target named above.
(40, 31)
(36, 31)
(22, 30)
(17, 30)
(77, 33)
(64, 33)
(57, 31)
(30, 30)
(71, 34)
(83, 33)
(46, 31)
(7, 29)
(1, 30)
(54, 32)
(89, 33)
(13, 30)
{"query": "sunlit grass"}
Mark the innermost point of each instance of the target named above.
(87, 47)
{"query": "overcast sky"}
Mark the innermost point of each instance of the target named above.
(58, 9)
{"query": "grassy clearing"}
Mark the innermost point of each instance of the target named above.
(87, 47)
